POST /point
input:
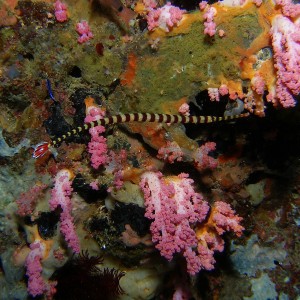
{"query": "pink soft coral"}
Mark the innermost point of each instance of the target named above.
(225, 219)
(61, 196)
(289, 8)
(222, 219)
(202, 159)
(36, 283)
(213, 94)
(28, 200)
(97, 147)
(286, 46)
(171, 152)
(165, 17)
(60, 11)
(174, 207)
(83, 29)
(209, 24)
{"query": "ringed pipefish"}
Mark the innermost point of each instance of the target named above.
(43, 147)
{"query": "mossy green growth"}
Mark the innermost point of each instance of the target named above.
(102, 70)
(184, 65)
(6, 34)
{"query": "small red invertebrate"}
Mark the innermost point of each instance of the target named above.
(40, 150)
(100, 49)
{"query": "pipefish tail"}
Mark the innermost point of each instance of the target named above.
(43, 147)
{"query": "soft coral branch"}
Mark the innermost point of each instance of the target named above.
(61, 197)
(175, 208)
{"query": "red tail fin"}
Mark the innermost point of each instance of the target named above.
(40, 149)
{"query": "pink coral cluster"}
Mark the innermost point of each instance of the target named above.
(83, 29)
(289, 9)
(258, 3)
(176, 209)
(209, 24)
(202, 159)
(184, 109)
(202, 5)
(172, 152)
(149, 4)
(36, 283)
(27, 201)
(60, 11)
(286, 46)
(97, 147)
(223, 90)
(60, 197)
(222, 219)
(258, 84)
(213, 94)
(115, 165)
(165, 17)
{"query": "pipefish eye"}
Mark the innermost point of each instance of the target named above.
(120, 9)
